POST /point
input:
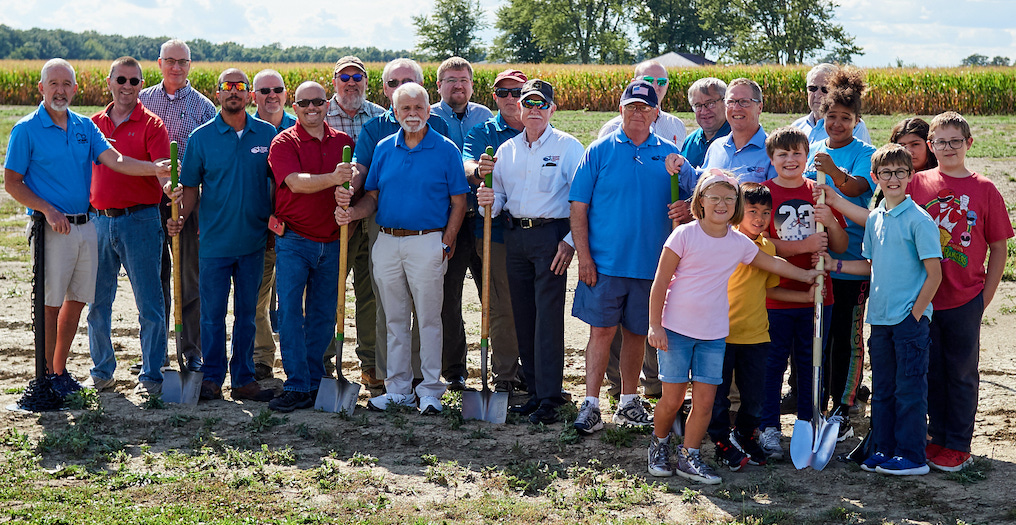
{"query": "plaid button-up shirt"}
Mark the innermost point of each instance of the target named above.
(338, 119)
(182, 113)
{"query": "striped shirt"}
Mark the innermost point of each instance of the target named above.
(182, 113)
(339, 120)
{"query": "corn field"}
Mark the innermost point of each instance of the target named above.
(972, 91)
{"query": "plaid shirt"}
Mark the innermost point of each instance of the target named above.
(187, 110)
(338, 119)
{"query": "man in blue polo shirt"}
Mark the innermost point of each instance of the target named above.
(623, 179)
(227, 162)
(705, 96)
(416, 239)
(49, 170)
(743, 152)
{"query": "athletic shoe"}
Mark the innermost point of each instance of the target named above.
(634, 414)
(950, 460)
(932, 450)
(788, 403)
(430, 405)
(546, 414)
(148, 388)
(691, 466)
(588, 420)
(769, 440)
(291, 400)
(659, 458)
(845, 431)
(874, 461)
(381, 402)
(901, 466)
(64, 384)
(100, 385)
(749, 447)
(727, 454)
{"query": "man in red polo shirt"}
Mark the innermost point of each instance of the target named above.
(306, 161)
(129, 229)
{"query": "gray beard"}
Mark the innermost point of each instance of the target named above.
(352, 105)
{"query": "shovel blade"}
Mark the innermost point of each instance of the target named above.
(495, 407)
(825, 444)
(183, 387)
(473, 405)
(337, 395)
(801, 444)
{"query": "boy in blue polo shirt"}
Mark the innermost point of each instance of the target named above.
(901, 245)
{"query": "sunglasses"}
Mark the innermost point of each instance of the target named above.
(123, 80)
(660, 81)
(532, 103)
(355, 76)
(304, 102)
(816, 88)
(277, 90)
(505, 92)
(229, 86)
(396, 83)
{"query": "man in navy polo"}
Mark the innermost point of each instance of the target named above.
(705, 96)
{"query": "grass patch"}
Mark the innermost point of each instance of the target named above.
(266, 420)
(976, 472)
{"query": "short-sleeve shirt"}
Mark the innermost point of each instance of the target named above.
(232, 173)
(494, 132)
(533, 180)
(182, 112)
(897, 242)
(627, 189)
(696, 305)
(666, 126)
(56, 164)
(458, 127)
(415, 185)
(746, 292)
(287, 121)
(339, 120)
(142, 136)
(311, 215)
(970, 214)
(749, 164)
(385, 125)
(815, 129)
(695, 144)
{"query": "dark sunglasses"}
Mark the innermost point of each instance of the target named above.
(396, 83)
(123, 80)
(277, 90)
(229, 86)
(355, 76)
(308, 101)
(816, 88)
(504, 92)
(535, 103)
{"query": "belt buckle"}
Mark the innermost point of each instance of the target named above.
(526, 223)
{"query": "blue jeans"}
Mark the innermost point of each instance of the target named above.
(215, 276)
(133, 241)
(307, 280)
(791, 332)
(899, 388)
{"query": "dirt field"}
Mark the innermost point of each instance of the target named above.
(402, 467)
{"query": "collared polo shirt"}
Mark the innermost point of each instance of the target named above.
(182, 113)
(897, 242)
(627, 188)
(475, 115)
(695, 145)
(339, 120)
(295, 151)
(667, 126)
(494, 132)
(383, 126)
(288, 121)
(142, 136)
(232, 172)
(533, 180)
(749, 164)
(56, 164)
(415, 186)
(816, 129)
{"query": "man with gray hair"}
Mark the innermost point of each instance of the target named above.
(705, 96)
(416, 239)
(813, 123)
(666, 126)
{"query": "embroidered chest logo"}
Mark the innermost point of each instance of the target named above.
(259, 149)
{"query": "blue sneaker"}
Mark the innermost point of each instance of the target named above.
(874, 461)
(901, 466)
(64, 384)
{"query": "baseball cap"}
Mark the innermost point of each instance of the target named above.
(640, 91)
(347, 61)
(538, 87)
(511, 74)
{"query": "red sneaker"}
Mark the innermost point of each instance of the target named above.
(932, 450)
(950, 460)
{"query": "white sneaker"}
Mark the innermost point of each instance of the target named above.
(430, 405)
(380, 403)
(149, 388)
(769, 440)
(634, 414)
(100, 385)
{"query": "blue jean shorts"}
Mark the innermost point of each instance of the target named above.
(614, 301)
(686, 357)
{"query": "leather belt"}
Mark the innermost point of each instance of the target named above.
(78, 219)
(399, 232)
(119, 212)
(526, 223)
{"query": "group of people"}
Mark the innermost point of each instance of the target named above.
(700, 247)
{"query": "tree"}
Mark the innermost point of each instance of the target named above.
(1000, 61)
(678, 25)
(787, 31)
(583, 31)
(975, 60)
(451, 31)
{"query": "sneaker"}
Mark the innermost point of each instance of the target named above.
(950, 460)
(148, 388)
(659, 458)
(634, 414)
(769, 440)
(291, 400)
(381, 402)
(727, 454)
(932, 450)
(749, 447)
(901, 466)
(253, 392)
(64, 384)
(874, 461)
(691, 466)
(100, 385)
(430, 405)
(788, 403)
(846, 430)
(588, 420)
(526, 408)
(546, 414)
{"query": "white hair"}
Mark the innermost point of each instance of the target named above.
(174, 42)
(55, 63)
(412, 90)
(824, 68)
(268, 73)
(706, 86)
(400, 62)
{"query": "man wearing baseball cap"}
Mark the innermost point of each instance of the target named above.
(623, 174)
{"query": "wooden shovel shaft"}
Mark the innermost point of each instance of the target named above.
(485, 294)
(174, 174)
(816, 344)
(340, 311)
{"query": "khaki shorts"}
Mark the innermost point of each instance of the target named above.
(72, 262)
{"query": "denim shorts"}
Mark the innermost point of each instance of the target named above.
(614, 301)
(686, 357)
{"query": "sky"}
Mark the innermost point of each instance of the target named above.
(911, 32)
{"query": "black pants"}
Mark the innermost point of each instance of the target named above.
(453, 353)
(953, 379)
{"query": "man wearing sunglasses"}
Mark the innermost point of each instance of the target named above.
(182, 108)
(813, 124)
(227, 162)
(128, 228)
(665, 126)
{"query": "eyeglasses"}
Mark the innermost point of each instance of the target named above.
(711, 104)
(535, 103)
(715, 199)
(396, 83)
(304, 102)
(953, 144)
(277, 90)
(123, 80)
(743, 102)
(505, 92)
(816, 88)
(659, 81)
(640, 108)
(456, 80)
(183, 62)
(345, 78)
(229, 86)
(900, 174)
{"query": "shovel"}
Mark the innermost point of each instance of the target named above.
(183, 386)
(485, 405)
(339, 395)
(812, 445)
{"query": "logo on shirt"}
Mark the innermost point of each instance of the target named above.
(551, 158)
(259, 149)
(955, 221)
(81, 138)
(794, 220)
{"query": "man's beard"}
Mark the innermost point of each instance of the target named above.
(412, 127)
(352, 102)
